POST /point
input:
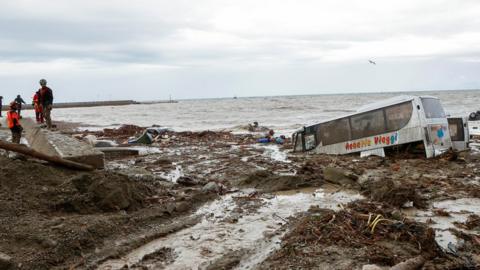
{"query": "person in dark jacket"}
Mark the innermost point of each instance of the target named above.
(46, 99)
(1, 99)
(19, 100)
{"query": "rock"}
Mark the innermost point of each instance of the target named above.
(371, 267)
(211, 187)
(91, 139)
(6, 262)
(48, 243)
(182, 207)
(186, 181)
(82, 182)
(169, 208)
(339, 176)
(232, 218)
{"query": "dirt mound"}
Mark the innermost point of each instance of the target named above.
(269, 182)
(102, 192)
(41, 206)
(29, 185)
(394, 193)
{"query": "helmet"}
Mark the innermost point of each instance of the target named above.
(13, 105)
(43, 82)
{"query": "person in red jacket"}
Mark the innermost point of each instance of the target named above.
(38, 107)
(13, 122)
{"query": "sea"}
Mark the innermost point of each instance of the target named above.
(284, 114)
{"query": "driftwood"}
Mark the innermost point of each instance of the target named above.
(52, 159)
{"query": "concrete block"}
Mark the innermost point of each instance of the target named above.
(56, 144)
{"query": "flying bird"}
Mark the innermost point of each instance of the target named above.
(372, 62)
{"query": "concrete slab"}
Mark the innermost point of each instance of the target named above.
(56, 144)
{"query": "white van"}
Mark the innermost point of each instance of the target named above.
(393, 122)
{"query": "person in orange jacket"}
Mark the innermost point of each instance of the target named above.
(38, 107)
(13, 122)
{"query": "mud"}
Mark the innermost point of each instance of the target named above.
(267, 181)
(52, 218)
(217, 200)
(324, 239)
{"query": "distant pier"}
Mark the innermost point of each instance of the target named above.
(94, 104)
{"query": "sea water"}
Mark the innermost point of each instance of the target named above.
(284, 114)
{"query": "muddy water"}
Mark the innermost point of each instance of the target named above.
(223, 230)
(459, 211)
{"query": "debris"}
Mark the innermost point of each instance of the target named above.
(145, 138)
(187, 181)
(441, 212)
(52, 159)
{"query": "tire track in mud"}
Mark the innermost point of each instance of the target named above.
(241, 228)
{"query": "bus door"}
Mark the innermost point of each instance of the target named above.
(458, 133)
(438, 135)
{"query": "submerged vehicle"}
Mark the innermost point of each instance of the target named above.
(395, 122)
(474, 125)
(459, 132)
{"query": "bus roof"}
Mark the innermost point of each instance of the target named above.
(377, 105)
(389, 102)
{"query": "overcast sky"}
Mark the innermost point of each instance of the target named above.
(123, 49)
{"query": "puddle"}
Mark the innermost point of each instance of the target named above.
(459, 211)
(255, 231)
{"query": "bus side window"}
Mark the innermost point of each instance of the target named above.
(335, 131)
(398, 116)
(368, 124)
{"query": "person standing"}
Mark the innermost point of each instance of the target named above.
(37, 106)
(19, 100)
(46, 99)
(13, 122)
(1, 99)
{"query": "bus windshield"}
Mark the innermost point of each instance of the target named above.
(433, 108)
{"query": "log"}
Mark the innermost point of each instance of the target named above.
(410, 264)
(18, 148)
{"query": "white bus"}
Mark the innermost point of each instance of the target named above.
(385, 124)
